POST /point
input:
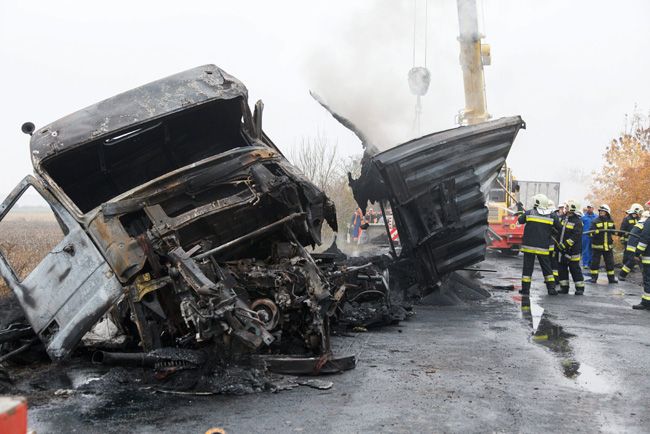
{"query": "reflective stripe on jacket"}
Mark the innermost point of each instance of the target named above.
(537, 232)
(633, 239)
(626, 225)
(572, 234)
(644, 239)
(602, 237)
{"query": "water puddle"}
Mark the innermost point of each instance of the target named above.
(552, 336)
(593, 380)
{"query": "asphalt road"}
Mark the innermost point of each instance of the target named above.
(566, 364)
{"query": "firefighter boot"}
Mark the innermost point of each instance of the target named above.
(580, 288)
(594, 276)
(564, 287)
(611, 277)
(525, 285)
(642, 306)
(550, 288)
(622, 275)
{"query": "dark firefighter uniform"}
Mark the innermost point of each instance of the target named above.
(570, 246)
(602, 244)
(554, 248)
(627, 225)
(630, 248)
(642, 248)
(535, 244)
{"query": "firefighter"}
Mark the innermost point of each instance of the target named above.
(630, 249)
(641, 247)
(570, 248)
(537, 239)
(555, 235)
(631, 219)
(602, 244)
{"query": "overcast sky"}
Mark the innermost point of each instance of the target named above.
(571, 69)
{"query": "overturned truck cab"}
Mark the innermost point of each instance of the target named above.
(182, 220)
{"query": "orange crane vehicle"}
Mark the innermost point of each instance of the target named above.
(506, 233)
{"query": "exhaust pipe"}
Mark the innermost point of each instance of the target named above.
(159, 358)
(130, 359)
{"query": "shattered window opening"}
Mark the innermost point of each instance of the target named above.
(28, 232)
(107, 167)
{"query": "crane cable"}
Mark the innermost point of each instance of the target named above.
(415, 18)
(426, 29)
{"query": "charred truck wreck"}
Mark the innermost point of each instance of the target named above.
(183, 219)
(186, 228)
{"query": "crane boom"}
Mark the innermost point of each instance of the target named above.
(473, 55)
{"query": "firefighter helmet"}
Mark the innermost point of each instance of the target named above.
(572, 206)
(645, 215)
(540, 201)
(605, 207)
(551, 205)
(545, 206)
(635, 208)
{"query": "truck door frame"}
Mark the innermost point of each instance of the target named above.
(71, 287)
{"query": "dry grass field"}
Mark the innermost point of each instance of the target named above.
(25, 239)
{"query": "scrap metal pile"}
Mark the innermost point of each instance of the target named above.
(186, 231)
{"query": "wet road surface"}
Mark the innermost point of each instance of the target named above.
(507, 364)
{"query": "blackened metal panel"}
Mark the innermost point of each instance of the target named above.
(70, 289)
(482, 147)
(145, 103)
(436, 185)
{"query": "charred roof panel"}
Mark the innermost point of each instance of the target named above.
(145, 103)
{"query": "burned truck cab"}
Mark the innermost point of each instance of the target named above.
(181, 220)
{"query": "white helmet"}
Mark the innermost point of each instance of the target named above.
(546, 206)
(645, 215)
(551, 205)
(572, 206)
(540, 201)
(605, 207)
(635, 208)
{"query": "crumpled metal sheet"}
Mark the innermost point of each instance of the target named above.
(436, 186)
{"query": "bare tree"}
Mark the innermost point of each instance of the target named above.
(341, 193)
(318, 160)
